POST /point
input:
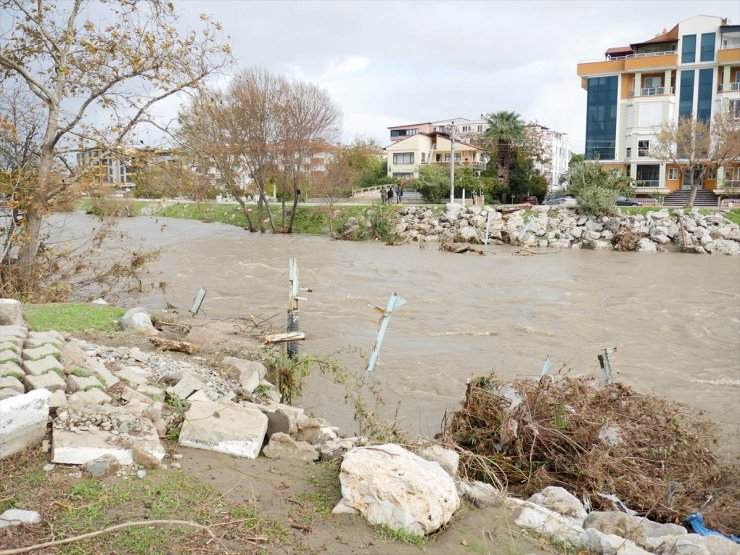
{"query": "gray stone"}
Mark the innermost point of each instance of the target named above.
(723, 246)
(58, 400)
(51, 381)
(12, 383)
(236, 365)
(42, 366)
(99, 300)
(150, 390)
(480, 494)
(660, 238)
(280, 418)
(103, 466)
(144, 457)
(249, 379)
(41, 352)
(189, 384)
(610, 544)
(689, 544)
(6, 393)
(546, 522)
(96, 367)
(92, 396)
(16, 517)
(561, 501)
(134, 374)
(282, 446)
(23, 421)
(224, 428)
(138, 355)
(646, 245)
(73, 357)
(77, 383)
(138, 320)
(141, 474)
(446, 458)
(11, 312)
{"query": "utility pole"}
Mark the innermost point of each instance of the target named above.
(452, 163)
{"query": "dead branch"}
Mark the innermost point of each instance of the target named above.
(172, 345)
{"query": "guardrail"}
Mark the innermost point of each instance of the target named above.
(652, 91)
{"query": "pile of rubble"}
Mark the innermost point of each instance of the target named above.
(546, 226)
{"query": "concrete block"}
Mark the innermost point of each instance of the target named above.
(51, 381)
(224, 428)
(58, 400)
(37, 339)
(23, 421)
(99, 370)
(150, 390)
(42, 366)
(12, 383)
(73, 356)
(280, 418)
(77, 383)
(11, 345)
(11, 369)
(189, 384)
(134, 374)
(282, 446)
(9, 356)
(6, 393)
(16, 331)
(11, 312)
(92, 396)
(41, 352)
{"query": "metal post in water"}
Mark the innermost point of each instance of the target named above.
(293, 298)
(530, 221)
(488, 228)
(197, 301)
(546, 365)
(394, 302)
(605, 364)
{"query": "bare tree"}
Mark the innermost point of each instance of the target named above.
(695, 147)
(81, 70)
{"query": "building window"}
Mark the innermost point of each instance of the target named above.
(423, 157)
(672, 174)
(735, 109)
(707, 47)
(643, 148)
(688, 49)
(712, 174)
(648, 175)
(686, 94)
(403, 175)
(601, 118)
(403, 157)
(480, 129)
(403, 132)
(629, 152)
(704, 104)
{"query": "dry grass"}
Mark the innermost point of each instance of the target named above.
(530, 434)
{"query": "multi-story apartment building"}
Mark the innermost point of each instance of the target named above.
(555, 145)
(105, 166)
(407, 156)
(693, 70)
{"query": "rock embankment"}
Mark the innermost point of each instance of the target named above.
(545, 226)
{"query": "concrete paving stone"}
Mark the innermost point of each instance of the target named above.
(224, 428)
(41, 352)
(131, 395)
(37, 339)
(150, 390)
(134, 374)
(92, 396)
(188, 385)
(11, 369)
(51, 381)
(6, 393)
(23, 421)
(15, 346)
(12, 383)
(42, 366)
(13, 331)
(96, 367)
(9, 356)
(77, 383)
(58, 400)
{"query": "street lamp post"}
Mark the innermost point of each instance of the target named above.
(452, 163)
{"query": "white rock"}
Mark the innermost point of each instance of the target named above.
(137, 319)
(393, 487)
(282, 446)
(723, 246)
(99, 301)
(189, 384)
(23, 421)
(480, 493)
(561, 501)
(547, 522)
(646, 245)
(224, 428)
(610, 544)
(11, 313)
(689, 544)
(446, 458)
(16, 517)
(138, 355)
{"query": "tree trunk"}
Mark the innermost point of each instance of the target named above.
(694, 187)
(282, 220)
(247, 212)
(295, 204)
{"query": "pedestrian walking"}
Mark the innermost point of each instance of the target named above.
(383, 194)
(399, 195)
(390, 194)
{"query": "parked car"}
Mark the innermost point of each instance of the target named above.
(530, 200)
(624, 201)
(563, 201)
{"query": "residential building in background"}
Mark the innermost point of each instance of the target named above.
(102, 166)
(405, 157)
(555, 153)
(692, 70)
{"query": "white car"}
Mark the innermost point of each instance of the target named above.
(562, 201)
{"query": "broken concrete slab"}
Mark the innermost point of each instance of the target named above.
(103, 466)
(42, 366)
(280, 418)
(237, 365)
(72, 356)
(138, 355)
(9, 356)
(150, 390)
(96, 367)
(58, 400)
(131, 395)
(92, 396)
(23, 421)
(11, 369)
(51, 381)
(282, 446)
(82, 383)
(12, 383)
(41, 352)
(189, 384)
(134, 374)
(224, 428)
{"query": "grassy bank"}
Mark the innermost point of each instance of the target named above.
(112, 206)
(72, 317)
(732, 215)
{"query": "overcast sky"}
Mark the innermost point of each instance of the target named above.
(390, 62)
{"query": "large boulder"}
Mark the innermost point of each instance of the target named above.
(23, 421)
(393, 487)
(137, 319)
(723, 246)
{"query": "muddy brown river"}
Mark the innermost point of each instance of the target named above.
(674, 319)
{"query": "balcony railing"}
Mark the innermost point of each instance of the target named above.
(644, 55)
(731, 87)
(653, 91)
(648, 182)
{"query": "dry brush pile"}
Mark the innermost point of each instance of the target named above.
(594, 438)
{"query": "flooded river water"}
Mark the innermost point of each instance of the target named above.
(674, 319)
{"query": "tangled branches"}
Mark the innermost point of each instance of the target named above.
(591, 438)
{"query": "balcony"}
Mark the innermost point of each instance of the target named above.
(652, 91)
(728, 55)
(728, 88)
(647, 183)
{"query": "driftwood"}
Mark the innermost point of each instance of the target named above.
(172, 345)
(506, 208)
(459, 248)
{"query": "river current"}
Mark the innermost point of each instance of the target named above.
(674, 319)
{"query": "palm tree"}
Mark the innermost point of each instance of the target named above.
(505, 128)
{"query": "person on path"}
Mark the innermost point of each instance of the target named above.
(399, 195)
(390, 194)
(383, 194)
